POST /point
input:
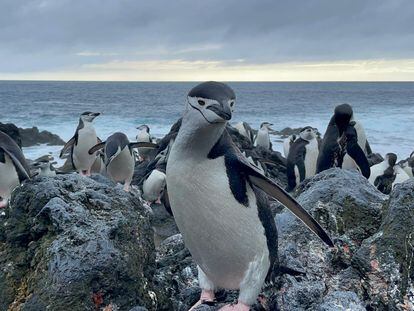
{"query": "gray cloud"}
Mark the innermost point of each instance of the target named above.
(63, 34)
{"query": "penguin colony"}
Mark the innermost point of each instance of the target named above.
(218, 196)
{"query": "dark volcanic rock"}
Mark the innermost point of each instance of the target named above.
(13, 131)
(32, 137)
(386, 259)
(72, 243)
(374, 158)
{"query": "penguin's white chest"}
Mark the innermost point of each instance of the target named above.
(8, 177)
(222, 235)
(86, 140)
(311, 157)
(121, 168)
(263, 139)
(153, 185)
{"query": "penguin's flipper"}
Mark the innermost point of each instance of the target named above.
(143, 145)
(358, 155)
(275, 191)
(67, 146)
(22, 169)
(96, 147)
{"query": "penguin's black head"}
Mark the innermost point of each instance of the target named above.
(89, 116)
(266, 125)
(392, 159)
(343, 114)
(214, 100)
(307, 133)
(114, 145)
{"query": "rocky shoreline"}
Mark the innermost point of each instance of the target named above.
(78, 243)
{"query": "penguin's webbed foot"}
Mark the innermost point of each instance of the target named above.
(237, 307)
(207, 296)
(127, 187)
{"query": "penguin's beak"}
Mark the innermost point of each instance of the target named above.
(95, 114)
(222, 110)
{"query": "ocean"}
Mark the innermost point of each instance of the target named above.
(386, 110)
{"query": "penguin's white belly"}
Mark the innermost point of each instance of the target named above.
(262, 139)
(86, 140)
(349, 163)
(8, 177)
(121, 168)
(222, 235)
(377, 170)
(400, 177)
(153, 185)
(311, 158)
(408, 169)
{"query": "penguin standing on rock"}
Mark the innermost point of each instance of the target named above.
(144, 136)
(383, 174)
(262, 138)
(344, 143)
(219, 204)
(119, 157)
(13, 168)
(302, 157)
(287, 143)
(83, 140)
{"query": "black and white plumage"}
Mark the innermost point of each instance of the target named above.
(245, 129)
(383, 174)
(408, 165)
(217, 200)
(302, 157)
(78, 146)
(287, 143)
(262, 138)
(144, 136)
(344, 143)
(13, 168)
(119, 157)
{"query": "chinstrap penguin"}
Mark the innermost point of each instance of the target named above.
(383, 174)
(287, 143)
(13, 168)
(217, 203)
(302, 157)
(83, 140)
(119, 157)
(262, 137)
(244, 129)
(144, 136)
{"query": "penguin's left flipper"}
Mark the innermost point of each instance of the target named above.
(356, 153)
(275, 191)
(22, 169)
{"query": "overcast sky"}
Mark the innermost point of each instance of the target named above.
(201, 40)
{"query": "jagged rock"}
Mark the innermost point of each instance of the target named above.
(13, 131)
(72, 243)
(374, 158)
(32, 137)
(341, 301)
(386, 259)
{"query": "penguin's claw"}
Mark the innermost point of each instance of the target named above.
(237, 307)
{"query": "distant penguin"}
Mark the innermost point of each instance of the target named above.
(400, 176)
(408, 165)
(262, 137)
(98, 167)
(383, 174)
(83, 140)
(218, 202)
(45, 168)
(13, 168)
(287, 143)
(144, 136)
(302, 158)
(153, 186)
(344, 143)
(119, 157)
(244, 129)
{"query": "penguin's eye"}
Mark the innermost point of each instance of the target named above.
(201, 102)
(231, 104)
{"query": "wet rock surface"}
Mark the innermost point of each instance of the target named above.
(72, 243)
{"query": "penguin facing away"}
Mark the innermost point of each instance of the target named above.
(83, 140)
(302, 158)
(119, 157)
(262, 137)
(13, 168)
(217, 199)
(341, 145)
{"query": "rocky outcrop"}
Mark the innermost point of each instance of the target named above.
(27, 137)
(32, 137)
(74, 243)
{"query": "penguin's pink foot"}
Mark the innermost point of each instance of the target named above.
(206, 296)
(237, 307)
(88, 172)
(158, 201)
(3, 203)
(127, 187)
